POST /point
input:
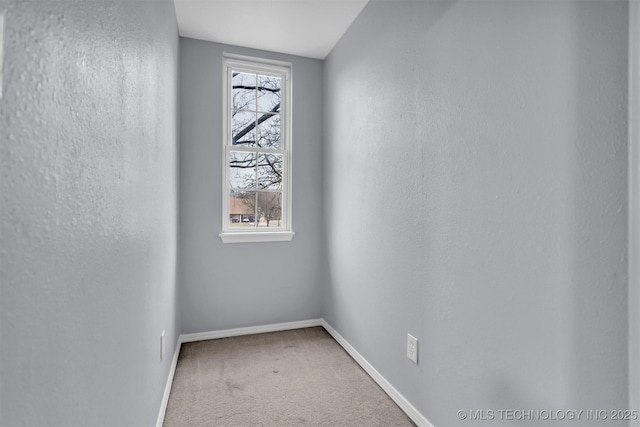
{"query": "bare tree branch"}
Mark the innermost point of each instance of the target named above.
(253, 125)
(255, 87)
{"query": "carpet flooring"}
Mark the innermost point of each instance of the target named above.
(300, 377)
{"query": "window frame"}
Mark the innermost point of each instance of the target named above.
(269, 68)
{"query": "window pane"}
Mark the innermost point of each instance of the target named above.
(269, 132)
(269, 89)
(242, 209)
(269, 209)
(270, 171)
(242, 170)
(243, 92)
(256, 145)
(243, 129)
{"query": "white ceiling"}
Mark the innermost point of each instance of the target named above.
(308, 28)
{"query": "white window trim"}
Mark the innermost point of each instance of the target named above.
(270, 234)
(257, 237)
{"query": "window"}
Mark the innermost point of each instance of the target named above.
(257, 152)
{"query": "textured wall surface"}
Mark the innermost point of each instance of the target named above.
(475, 197)
(245, 284)
(634, 206)
(88, 160)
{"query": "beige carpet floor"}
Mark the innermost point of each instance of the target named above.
(300, 377)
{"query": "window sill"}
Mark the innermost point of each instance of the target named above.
(265, 236)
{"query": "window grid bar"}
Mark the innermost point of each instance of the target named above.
(262, 150)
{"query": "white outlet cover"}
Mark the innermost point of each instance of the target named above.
(162, 345)
(412, 348)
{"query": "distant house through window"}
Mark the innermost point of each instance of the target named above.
(256, 152)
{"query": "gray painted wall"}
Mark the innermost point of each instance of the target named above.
(475, 174)
(634, 206)
(235, 285)
(88, 152)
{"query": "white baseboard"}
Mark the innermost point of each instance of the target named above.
(394, 394)
(167, 388)
(212, 335)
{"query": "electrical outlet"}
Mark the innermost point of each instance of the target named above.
(412, 348)
(162, 345)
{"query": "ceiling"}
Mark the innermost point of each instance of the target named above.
(308, 28)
